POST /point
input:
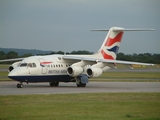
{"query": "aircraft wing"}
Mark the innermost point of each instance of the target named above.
(15, 59)
(108, 61)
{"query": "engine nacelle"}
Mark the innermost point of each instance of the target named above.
(74, 71)
(14, 65)
(94, 72)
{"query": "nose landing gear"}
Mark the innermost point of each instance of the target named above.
(19, 85)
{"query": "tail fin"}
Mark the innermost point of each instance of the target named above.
(111, 44)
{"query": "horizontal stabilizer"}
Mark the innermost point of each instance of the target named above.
(123, 29)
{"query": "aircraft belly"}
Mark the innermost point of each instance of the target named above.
(42, 78)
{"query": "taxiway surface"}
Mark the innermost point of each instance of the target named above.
(9, 88)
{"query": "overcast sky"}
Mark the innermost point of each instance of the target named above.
(65, 24)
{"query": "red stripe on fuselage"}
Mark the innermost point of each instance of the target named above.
(111, 41)
(43, 63)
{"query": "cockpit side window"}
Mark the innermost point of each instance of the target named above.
(34, 65)
(29, 64)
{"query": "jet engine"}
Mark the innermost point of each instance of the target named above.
(74, 71)
(94, 72)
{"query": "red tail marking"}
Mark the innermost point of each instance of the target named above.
(111, 41)
(106, 56)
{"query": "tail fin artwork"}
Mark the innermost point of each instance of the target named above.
(111, 44)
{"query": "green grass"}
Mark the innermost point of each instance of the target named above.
(4, 76)
(4, 66)
(3, 73)
(92, 106)
(129, 77)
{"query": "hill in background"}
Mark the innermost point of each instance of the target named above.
(25, 51)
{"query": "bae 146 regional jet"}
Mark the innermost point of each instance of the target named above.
(71, 68)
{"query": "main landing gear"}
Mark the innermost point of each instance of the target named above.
(54, 84)
(19, 85)
(81, 80)
(81, 84)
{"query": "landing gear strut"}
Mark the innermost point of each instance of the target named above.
(19, 85)
(54, 84)
(81, 80)
(81, 84)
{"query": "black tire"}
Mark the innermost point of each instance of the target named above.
(78, 85)
(83, 84)
(18, 85)
(21, 85)
(54, 84)
(51, 84)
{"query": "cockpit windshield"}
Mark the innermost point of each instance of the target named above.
(32, 65)
(23, 65)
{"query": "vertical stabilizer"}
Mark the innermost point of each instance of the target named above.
(111, 44)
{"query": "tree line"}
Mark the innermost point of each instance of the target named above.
(145, 57)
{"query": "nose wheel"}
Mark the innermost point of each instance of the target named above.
(19, 85)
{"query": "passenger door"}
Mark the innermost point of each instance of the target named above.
(44, 67)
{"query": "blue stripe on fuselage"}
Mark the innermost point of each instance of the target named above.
(43, 78)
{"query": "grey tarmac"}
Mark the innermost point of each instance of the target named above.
(9, 88)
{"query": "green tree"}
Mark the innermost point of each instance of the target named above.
(120, 56)
(60, 52)
(11, 54)
(27, 55)
(2, 55)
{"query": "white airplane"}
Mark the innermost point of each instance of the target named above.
(71, 68)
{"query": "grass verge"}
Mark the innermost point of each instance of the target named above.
(128, 77)
(92, 106)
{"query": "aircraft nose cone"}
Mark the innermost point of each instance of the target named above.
(12, 74)
(15, 75)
